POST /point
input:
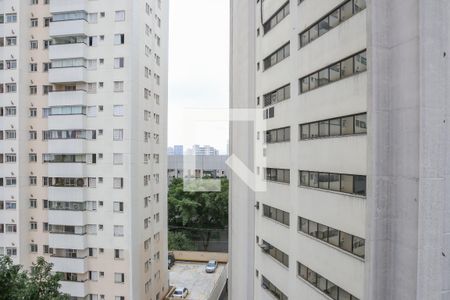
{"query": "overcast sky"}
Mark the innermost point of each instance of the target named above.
(198, 67)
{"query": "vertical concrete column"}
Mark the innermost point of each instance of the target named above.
(406, 148)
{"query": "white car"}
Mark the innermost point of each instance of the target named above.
(211, 266)
(180, 293)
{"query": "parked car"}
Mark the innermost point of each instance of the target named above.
(170, 260)
(180, 293)
(211, 266)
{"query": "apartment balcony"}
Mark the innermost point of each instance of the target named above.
(67, 74)
(68, 27)
(63, 51)
(67, 146)
(58, 6)
(67, 241)
(69, 264)
(77, 97)
(66, 194)
(59, 122)
(67, 217)
(74, 288)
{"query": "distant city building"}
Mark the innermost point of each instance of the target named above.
(178, 150)
(205, 166)
(170, 151)
(203, 150)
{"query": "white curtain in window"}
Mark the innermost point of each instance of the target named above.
(120, 16)
(118, 110)
(91, 111)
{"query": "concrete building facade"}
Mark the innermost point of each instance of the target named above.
(83, 105)
(205, 165)
(354, 103)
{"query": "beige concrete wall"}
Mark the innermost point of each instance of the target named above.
(201, 256)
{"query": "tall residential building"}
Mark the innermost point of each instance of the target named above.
(352, 109)
(83, 104)
(202, 150)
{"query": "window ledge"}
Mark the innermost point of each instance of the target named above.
(332, 246)
(333, 192)
(332, 137)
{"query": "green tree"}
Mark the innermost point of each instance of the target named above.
(38, 284)
(180, 241)
(199, 210)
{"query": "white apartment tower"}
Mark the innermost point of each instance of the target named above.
(83, 125)
(353, 98)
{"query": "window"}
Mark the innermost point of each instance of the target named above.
(11, 41)
(11, 228)
(10, 134)
(11, 64)
(278, 135)
(269, 286)
(33, 67)
(118, 62)
(11, 18)
(119, 16)
(277, 175)
(349, 125)
(276, 18)
(33, 203)
(350, 184)
(47, 21)
(118, 134)
(352, 65)
(32, 135)
(275, 253)
(118, 182)
(118, 110)
(34, 22)
(10, 181)
(33, 180)
(118, 230)
(323, 284)
(119, 39)
(33, 44)
(277, 56)
(119, 254)
(342, 240)
(11, 87)
(117, 158)
(277, 95)
(118, 206)
(333, 19)
(33, 225)
(10, 111)
(118, 86)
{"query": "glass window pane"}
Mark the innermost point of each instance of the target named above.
(287, 92)
(324, 26)
(335, 72)
(324, 78)
(304, 132)
(303, 225)
(360, 62)
(345, 241)
(312, 277)
(324, 128)
(333, 236)
(313, 130)
(335, 183)
(332, 290)
(303, 271)
(312, 228)
(343, 295)
(286, 220)
(321, 283)
(347, 67)
(313, 179)
(335, 127)
(313, 81)
(347, 184)
(304, 178)
(322, 232)
(359, 246)
(280, 135)
(334, 18)
(347, 125)
(359, 5)
(323, 180)
(361, 123)
(313, 33)
(287, 134)
(360, 185)
(305, 85)
(346, 11)
(304, 39)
